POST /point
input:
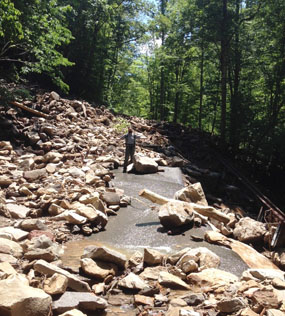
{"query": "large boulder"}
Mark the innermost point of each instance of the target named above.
(17, 298)
(144, 164)
(193, 193)
(175, 214)
(248, 230)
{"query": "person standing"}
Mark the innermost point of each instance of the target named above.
(130, 142)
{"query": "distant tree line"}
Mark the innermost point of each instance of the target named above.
(215, 65)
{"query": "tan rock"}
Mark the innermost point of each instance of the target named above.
(10, 247)
(73, 282)
(152, 257)
(144, 300)
(17, 298)
(57, 284)
(16, 233)
(211, 277)
(133, 281)
(169, 280)
(98, 269)
(18, 211)
(193, 193)
(6, 268)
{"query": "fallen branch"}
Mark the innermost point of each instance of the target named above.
(200, 209)
(35, 112)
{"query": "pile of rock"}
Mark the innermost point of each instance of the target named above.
(151, 283)
(60, 183)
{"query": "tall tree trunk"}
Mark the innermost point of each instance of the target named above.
(176, 102)
(224, 66)
(162, 72)
(235, 98)
(201, 83)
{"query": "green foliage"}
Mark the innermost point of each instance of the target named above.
(121, 125)
(30, 36)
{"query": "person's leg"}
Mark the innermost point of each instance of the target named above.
(127, 155)
(132, 152)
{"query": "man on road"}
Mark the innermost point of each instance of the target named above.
(130, 141)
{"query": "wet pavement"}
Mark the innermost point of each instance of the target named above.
(137, 226)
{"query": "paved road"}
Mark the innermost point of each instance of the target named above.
(137, 226)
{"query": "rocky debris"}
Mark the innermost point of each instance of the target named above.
(58, 186)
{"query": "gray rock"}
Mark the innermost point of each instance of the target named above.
(35, 174)
(111, 198)
(79, 300)
(231, 305)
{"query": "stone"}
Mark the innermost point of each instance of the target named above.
(5, 181)
(84, 210)
(193, 193)
(78, 300)
(194, 299)
(17, 234)
(6, 268)
(152, 273)
(18, 211)
(231, 305)
(248, 230)
(34, 174)
(111, 198)
(265, 299)
(98, 269)
(57, 284)
(10, 247)
(73, 282)
(17, 298)
(278, 283)
(32, 224)
(248, 312)
(8, 258)
(211, 277)
(105, 254)
(174, 214)
(274, 312)
(262, 274)
(169, 280)
(206, 258)
(152, 257)
(145, 164)
(133, 282)
(76, 172)
(72, 217)
(73, 312)
(143, 300)
(54, 96)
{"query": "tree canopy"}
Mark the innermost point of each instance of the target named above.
(218, 66)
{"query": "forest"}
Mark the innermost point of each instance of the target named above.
(217, 66)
